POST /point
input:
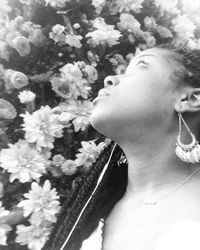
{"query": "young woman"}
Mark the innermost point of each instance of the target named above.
(152, 201)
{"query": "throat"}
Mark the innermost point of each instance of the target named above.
(167, 185)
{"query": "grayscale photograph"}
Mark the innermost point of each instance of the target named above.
(99, 124)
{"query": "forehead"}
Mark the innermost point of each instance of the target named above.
(154, 55)
(159, 52)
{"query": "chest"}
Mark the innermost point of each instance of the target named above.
(139, 228)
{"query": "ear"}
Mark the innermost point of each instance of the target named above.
(188, 101)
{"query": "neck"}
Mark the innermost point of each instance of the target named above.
(153, 167)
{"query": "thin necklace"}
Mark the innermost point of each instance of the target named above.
(151, 202)
(171, 191)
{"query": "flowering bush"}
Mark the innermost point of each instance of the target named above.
(54, 55)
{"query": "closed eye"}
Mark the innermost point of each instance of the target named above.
(138, 63)
(142, 62)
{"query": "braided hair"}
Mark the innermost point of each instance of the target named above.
(187, 70)
(191, 63)
(113, 185)
(110, 190)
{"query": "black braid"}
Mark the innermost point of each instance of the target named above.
(102, 203)
(95, 210)
(191, 62)
(67, 203)
(188, 61)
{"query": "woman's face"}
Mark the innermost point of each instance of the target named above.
(141, 98)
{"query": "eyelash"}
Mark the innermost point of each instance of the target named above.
(141, 61)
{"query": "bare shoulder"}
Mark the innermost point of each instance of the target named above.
(183, 235)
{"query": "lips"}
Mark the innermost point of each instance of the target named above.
(101, 93)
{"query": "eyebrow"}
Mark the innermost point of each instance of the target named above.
(146, 55)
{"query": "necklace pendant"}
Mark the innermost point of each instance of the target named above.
(150, 203)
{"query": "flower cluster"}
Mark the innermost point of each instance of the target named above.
(60, 35)
(77, 112)
(54, 57)
(119, 63)
(184, 32)
(86, 155)
(41, 205)
(74, 80)
(130, 23)
(103, 34)
(19, 35)
(152, 26)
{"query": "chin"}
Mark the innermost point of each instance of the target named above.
(103, 122)
(98, 121)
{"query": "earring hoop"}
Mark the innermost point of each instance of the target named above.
(187, 152)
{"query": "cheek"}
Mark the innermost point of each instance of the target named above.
(137, 100)
(144, 103)
(122, 108)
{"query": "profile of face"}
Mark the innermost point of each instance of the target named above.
(142, 99)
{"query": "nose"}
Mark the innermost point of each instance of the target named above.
(111, 81)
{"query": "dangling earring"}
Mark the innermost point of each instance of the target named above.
(187, 152)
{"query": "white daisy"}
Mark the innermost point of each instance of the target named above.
(22, 165)
(88, 153)
(42, 203)
(41, 127)
(33, 236)
(103, 33)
